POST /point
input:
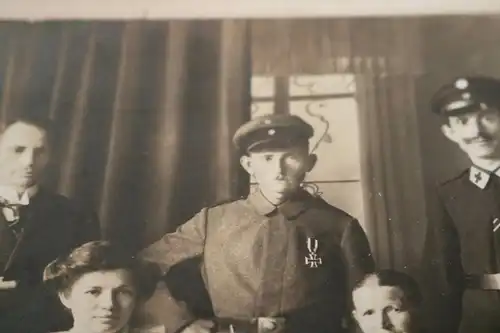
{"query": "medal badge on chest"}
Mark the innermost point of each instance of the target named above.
(496, 224)
(312, 259)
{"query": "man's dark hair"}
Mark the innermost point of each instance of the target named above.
(42, 122)
(392, 278)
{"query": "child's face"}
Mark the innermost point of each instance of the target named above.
(381, 309)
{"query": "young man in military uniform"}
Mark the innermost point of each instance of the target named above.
(280, 260)
(467, 233)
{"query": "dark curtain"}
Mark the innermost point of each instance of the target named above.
(144, 114)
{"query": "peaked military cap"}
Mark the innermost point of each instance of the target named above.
(272, 131)
(467, 94)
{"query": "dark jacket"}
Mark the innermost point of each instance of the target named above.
(461, 242)
(53, 226)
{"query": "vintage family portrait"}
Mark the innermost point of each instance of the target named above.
(319, 175)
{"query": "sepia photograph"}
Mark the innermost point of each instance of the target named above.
(329, 174)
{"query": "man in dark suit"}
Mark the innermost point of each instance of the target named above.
(36, 226)
(466, 235)
(281, 259)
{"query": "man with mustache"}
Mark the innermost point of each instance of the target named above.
(466, 234)
(279, 260)
(36, 226)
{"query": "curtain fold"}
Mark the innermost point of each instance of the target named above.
(143, 111)
(341, 45)
(392, 174)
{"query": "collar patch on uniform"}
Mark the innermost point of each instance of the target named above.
(479, 177)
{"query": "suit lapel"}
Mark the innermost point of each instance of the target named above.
(7, 243)
(29, 225)
(487, 199)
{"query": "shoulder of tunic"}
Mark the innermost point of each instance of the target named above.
(226, 204)
(320, 204)
(330, 218)
(459, 176)
(451, 185)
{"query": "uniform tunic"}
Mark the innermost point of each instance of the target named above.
(469, 205)
(254, 259)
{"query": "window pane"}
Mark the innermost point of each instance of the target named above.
(311, 85)
(262, 86)
(261, 109)
(336, 137)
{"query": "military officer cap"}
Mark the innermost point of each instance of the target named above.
(467, 94)
(272, 131)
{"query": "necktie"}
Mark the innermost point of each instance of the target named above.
(11, 212)
(11, 233)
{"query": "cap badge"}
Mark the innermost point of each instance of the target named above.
(271, 132)
(461, 84)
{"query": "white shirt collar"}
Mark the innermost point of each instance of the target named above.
(11, 195)
(74, 330)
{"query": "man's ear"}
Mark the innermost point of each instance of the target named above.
(311, 162)
(354, 314)
(246, 163)
(448, 132)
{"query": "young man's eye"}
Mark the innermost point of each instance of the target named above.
(368, 313)
(268, 157)
(490, 117)
(394, 308)
(19, 150)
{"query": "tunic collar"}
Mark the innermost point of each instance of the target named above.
(291, 208)
(480, 177)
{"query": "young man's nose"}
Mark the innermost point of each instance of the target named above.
(385, 321)
(27, 158)
(474, 129)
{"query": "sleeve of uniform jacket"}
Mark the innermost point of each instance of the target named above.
(357, 253)
(186, 242)
(442, 271)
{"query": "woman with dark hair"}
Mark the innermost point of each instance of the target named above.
(102, 286)
(387, 301)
